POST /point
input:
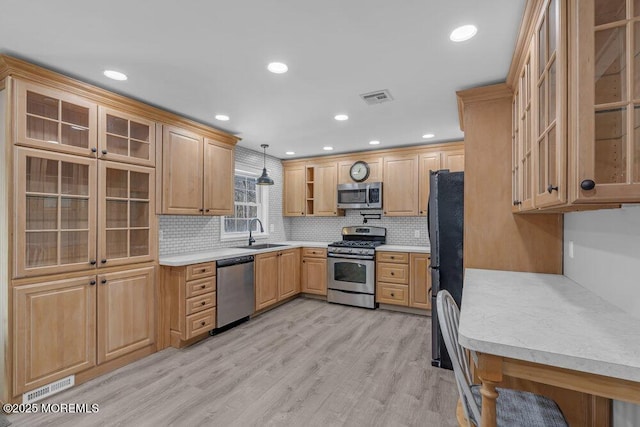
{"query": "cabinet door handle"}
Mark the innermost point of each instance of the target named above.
(201, 209)
(517, 202)
(551, 188)
(93, 282)
(392, 257)
(204, 270)
(421, 212)
(304, 261)
(203, 286)
(588, 184)
(429, 291)
(392, 294)
(94, 150)
(203, 323)
(203, 303)
(393, 274)
(104, 152)
(92, 262)
(301, 213)
(206, 210)
(103, 261)
(103, 281)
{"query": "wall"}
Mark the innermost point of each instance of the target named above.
(400, 231)
(606, 249)
(186, 233)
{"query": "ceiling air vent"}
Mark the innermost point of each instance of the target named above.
(377, 97)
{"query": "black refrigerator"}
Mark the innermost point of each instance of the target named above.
(445, 217)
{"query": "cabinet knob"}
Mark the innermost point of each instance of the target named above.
(421, 212)
(517, 202)
(93, 282)
(335, 213)
(385, 212)
(206, 210)
(551, 188)
(392, 294)
(203, 303)
(103, 281)
(203, 286)
(201, 209)
(92, 262)
(203, 323)
(103, 261)
(392, 257)
(393, 274)
(94, 150)
(203, 270)
(588, 184)
(104, 151)
(304, 261)
(301, 213)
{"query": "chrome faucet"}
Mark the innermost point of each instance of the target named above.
(251, 239)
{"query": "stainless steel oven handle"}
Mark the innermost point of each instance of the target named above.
(366, 195)
(364, 258)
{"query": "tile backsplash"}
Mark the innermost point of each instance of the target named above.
(400, 230)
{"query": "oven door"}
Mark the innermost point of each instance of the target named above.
(352, 275)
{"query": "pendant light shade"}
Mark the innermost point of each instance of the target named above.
(264, 178)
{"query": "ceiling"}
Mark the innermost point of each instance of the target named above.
(200, 58)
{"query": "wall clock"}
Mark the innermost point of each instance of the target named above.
(359, 171)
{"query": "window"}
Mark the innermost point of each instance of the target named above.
(251, 201)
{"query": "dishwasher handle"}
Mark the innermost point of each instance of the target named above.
(228, 262)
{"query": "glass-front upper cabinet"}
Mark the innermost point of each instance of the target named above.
(54, 120)
(55, 213)
(523, 151)
(126, 217)
(126, 138)
(549, 133)
(608, 101)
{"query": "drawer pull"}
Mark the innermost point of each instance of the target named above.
(203, 323)
(204, 270)
(203, 303)
(203, 286)
(393, 274)
(392, 257)
(392, 294)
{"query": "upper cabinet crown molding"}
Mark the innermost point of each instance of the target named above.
(23, 70)
(480, 94)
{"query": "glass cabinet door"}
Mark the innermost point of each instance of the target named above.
(549, 132)
(55, 213)
(126, 214)
(55, 120)
(525, 121)
(608, 138)
(126, 138)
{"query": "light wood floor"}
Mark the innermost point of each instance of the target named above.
(306, 363)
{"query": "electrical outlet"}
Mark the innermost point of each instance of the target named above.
(571, 249)
(161, 235)
(416, 234)
(272, 228)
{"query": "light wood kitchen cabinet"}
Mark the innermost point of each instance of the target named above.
(375, 169)
(400, 189)
(420, 281)
(325, 190)
(433, 160)
(605, 85)
(314, 271)
(54, 331)
(197, 174)
(55, 120)
(277, 276)
(125, 137)
(191, 293)
(55, 196)
(219, 172)
(126, 217)
(126, 312)
(294, 199)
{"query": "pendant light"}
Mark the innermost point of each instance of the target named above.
(264, 178)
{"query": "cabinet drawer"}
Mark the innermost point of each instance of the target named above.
(394, 273)
(198, 271)
(199, 287)
(201, 302)
(314, 253)
(200, 323)
(389, 293)
(396, 257)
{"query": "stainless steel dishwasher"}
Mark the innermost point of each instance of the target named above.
(234, 289)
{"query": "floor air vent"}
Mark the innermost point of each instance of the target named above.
(49, 389)
(377, 97)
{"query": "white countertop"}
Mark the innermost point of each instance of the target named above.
(548, 319)
(178, 260)
(399, 248)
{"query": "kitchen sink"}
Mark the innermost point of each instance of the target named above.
(261, 246)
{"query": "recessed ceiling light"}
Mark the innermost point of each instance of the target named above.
(428, 135)
(341, 117)
(290, 153)
(327, 148)
(374, 142)
(277, 67)
(222, 117)
(463, 33)
(115, 75)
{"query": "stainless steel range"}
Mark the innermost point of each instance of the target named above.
(351, 266)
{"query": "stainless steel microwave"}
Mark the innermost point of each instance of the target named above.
(360, 196)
